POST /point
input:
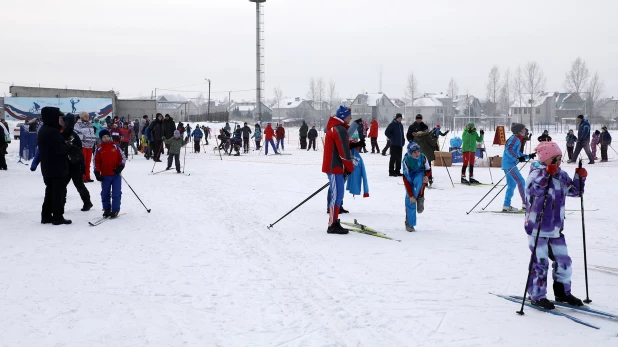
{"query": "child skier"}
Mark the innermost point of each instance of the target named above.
(197, 138)
(359, 175)
(511, 157)
(594, 143)
(470, 138)
(175, 144)
(570, 142)
(416, 172)
(257, 135)
(108, 164)
(548, 182)
(605, 140)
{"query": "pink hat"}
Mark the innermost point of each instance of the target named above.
(546, 150)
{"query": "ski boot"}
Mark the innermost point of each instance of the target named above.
(473, 181)
(342, 210)
(430, 181)
(464, 180)
(509, 209)
(420, 204)
(106, 213)
(543, 303)
(409, 228)
(336, 228)
(562, 297)
(113, 214)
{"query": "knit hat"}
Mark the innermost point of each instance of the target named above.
(581, 116)
(419, 116)
(438, 126)
(604, 127)
(596, 132)
(546, 150)
(343, 112)
(471, 124)
(516, 128)
(413, 147)
(83, 114)
(398, 115)
(176, 132)
(103, 132)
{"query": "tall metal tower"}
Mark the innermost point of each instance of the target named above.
(259, 8)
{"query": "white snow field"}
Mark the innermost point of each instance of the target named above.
(203, 270)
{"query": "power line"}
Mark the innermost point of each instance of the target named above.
(203, 91)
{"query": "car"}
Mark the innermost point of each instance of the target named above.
(17, 130)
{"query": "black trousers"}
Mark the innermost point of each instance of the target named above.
(570, 152)
(3, 158)
(374, 145)
(245, 142)
(157, 149)
(394, 164)
(603, 152)
(388, 145)
(78, 182)
(311, 143)
(303, 142)
(176, 158)
(125, 148)
(55, 196)
(196, 146)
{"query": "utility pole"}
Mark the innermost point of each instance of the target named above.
(208, 116)
(259, 56)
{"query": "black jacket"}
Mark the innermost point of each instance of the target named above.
(246, 131)
(304, 129)
(74, 146)
(169, 127)
(312, 134)
(415, 128)
(52, 147)
(544, 138)
(394, 132)
(157, 130)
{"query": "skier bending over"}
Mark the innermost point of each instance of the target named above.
(416, 172)
(546, 177)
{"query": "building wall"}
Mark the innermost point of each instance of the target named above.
(36, 92)
(609, 110)
(132, 109)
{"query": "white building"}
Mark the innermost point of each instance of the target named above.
(374, 105)
(248, 108)
(543, 108)
(608, 109)
(429, 107)
(293, 108)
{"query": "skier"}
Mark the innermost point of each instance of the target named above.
(361, 133)
(227, 127)
(76, 160)
(246, 134)
(257, 135)
(269, 133)
(416, 173)
(416, 127)
(236, 141)
(594, 143)
(583, 140)
(312, 135)
(156, 130)
(137, 133)
(394, 132)
(115, 132)
(373, 135)
(304, 129)
(470, 138)
(545, 136)
(175, 143)
(606, 140)
(207, 134)
(546, 187)
(108, 164)
(436, 133)
(428, 144)
(337, 161)
(133, 138)
(511, 157)
(197, 138)
(280, 135)
(125, 138)
(86, 132)
(169, 126)
(359, 175)
(570, 143)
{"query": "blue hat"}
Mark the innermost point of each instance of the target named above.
(176, 132)
(103, 132)
(343, 112)
(413, 147)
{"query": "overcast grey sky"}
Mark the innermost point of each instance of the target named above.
(134, 46)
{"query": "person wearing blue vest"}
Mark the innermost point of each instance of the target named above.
(512, 156)
(416, 173)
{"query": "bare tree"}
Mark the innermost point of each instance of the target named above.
(320, 88)
(493, 88)
(505, 92)
(596, 88)
(312, 93)
(534, 83)
(453, 89)
(411, 89)
(332, 95)
(278, 97)
(518, 90)
(577, 77)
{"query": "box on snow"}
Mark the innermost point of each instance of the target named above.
(443, 158)
(495, 161)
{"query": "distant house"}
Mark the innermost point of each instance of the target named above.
(374, 105)
(467, 106)
(569, 105)
(293, 108)
(543, 107)
(248, 109)
(608, 109)
(428, 106)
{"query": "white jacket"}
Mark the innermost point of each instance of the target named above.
(85, 130)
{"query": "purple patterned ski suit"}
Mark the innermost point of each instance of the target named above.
(551, 244)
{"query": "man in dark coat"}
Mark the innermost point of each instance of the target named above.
(157, 130)
(304, 130)
(246, 136)
(54, 167)
(312, 135)
(168, 128)
(416, 127)
(394, 132)
(77, 166)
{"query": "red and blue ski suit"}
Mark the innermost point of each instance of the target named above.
(107, 157)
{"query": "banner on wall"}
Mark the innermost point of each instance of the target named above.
(18, 108)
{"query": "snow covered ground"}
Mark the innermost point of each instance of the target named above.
(203, 270)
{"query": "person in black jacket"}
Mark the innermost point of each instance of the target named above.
(394, 132)
(545, 136)
(77, 166)
(416, 127)
(3, 144)
(303, 133)
(54, 166)
(157, 130)
(246, 136)
(312, 135)
(168, 128)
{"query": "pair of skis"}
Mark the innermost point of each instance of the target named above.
(557, 312)
(363, 229)
(102, 220)
(158, 172)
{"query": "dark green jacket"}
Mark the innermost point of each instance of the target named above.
(427, 143)
(304, 129)
(175, 144)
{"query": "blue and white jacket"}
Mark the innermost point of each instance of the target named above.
(511, 153)
(358, 176)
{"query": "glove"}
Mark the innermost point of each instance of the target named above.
(522, 159)
(360, 144)
(97, 174)
(532, 155)
(482, 132)
(118, 169)
(32, 169)
(552, 169)
(447, 132)
(581, 172)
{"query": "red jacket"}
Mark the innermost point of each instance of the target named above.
(107, 156)
(337, 154)
(125, 135)
(373, 131)
(269, 132)
(280, 133)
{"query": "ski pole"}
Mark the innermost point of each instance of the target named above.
(299, 205)
(217, 142)
(494, 198)
(488, 157)
(184, 161)
(446, 167)
(610, 146)
(581, 196)
(536, 242)
(154, 159)
(140, 200)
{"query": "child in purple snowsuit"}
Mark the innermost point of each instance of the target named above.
(551, 243)
(594, 143)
